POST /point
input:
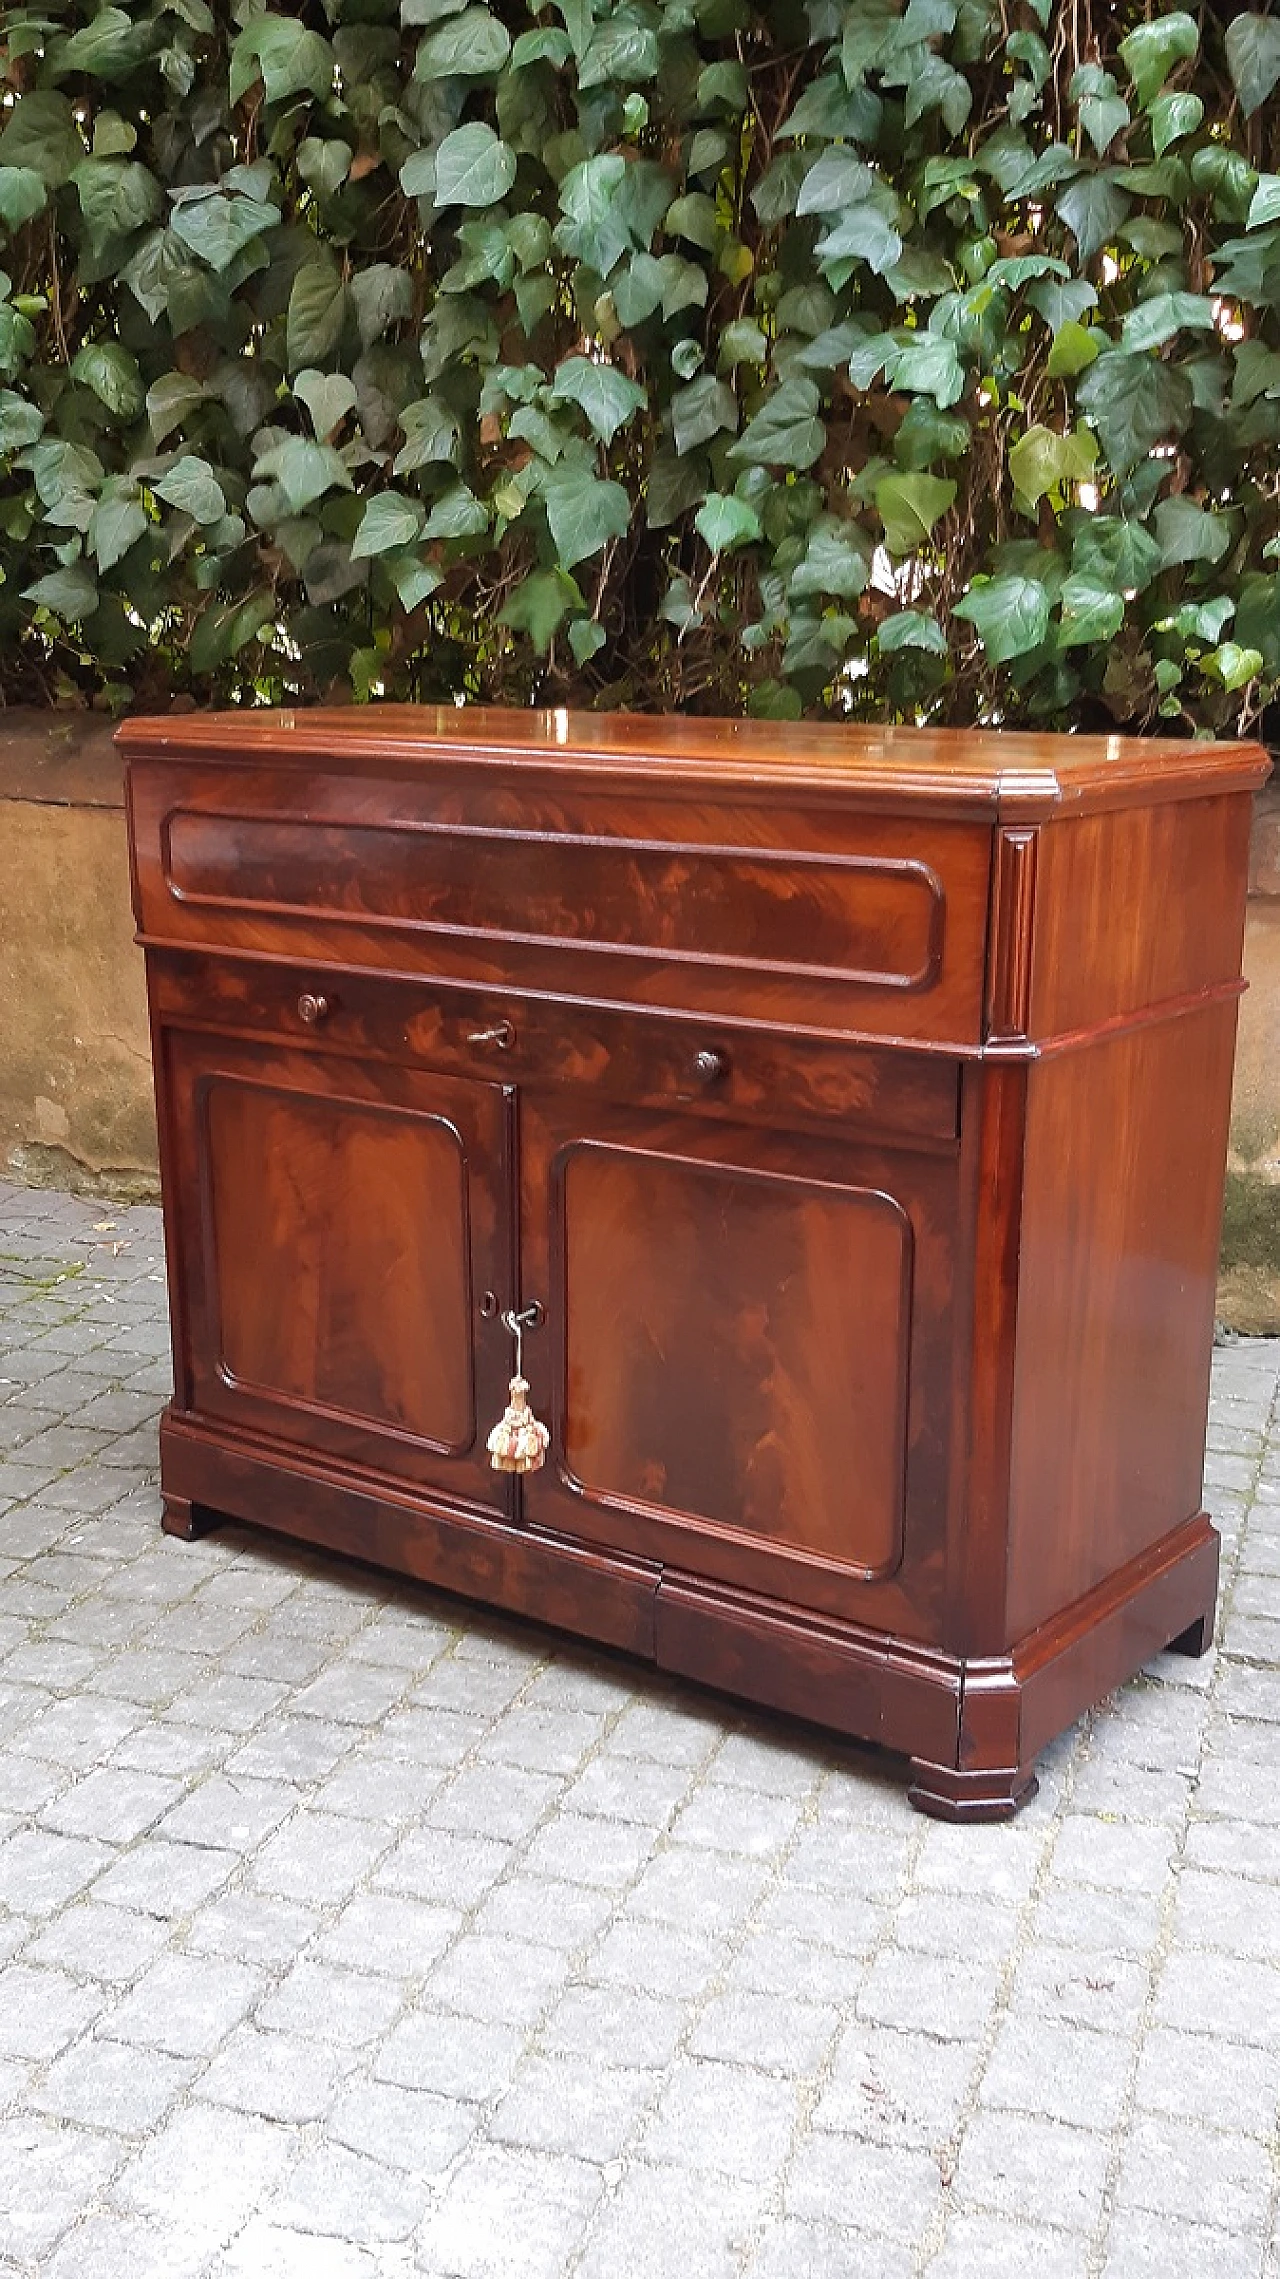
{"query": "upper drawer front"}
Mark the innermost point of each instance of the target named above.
(814, 917)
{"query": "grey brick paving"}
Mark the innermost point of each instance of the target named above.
(349, 1933)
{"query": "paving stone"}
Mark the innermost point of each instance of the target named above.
(40, 1870)
(110, 1943)
(665, 2223)
(267, 2250)
(406, 2128)
(48, 2172)
(159, 1878)
(227, 1814)
(928, 1993)
(350, 2197)
(617, 2026)
(107, 2085)
(778, 2033)
(455, 2057)
(280, 2076)
(795, 2250)
(565, 1915)
(1203, 2079)
(878, 2188)
(1034, 2170)
(378, 1932)
(495, 1800)
(999, 2249)
(574, 2105)
(345, 2007)
(895, 2088)
(131, 2247)
(510, 2214)
(1067, 2073)
(217, 2166)
(447, 1869)
(1145, 2246)
(318, 1857)
(722, 2117)
(184, 2004)
(1178, 2168)
(111, 1804)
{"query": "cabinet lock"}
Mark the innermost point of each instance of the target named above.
(502, 1035)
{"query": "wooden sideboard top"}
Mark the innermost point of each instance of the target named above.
(1011, 774)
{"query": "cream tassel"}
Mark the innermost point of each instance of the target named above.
(520, 1441)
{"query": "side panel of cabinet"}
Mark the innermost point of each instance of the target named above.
(339, 1227)
(747, 1360)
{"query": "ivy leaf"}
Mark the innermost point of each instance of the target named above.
(1186, 533)
(838, 179)
(290, 59)
(473, 168)
(324, 162)
(1162, 316)
(1044, 459)
(21, 423)
(1090, 612)
(389, 522)
(909, 506)
(194, 489)
(1010, 616)
(382, 296)
(1117, 553)
(1264, 206)
(1075, 348)
(1234, 665)
(306, 470)
(218, 228)
(596, 227)
(539, 606)
(470, 46)
(117, 524)
(1060, 303)
(328, 396)
(837, 560)
(316, 314)
(458, 514)
(1134, 402)
(706, 408)
(1173, 117)
(113, 375)
(1093, 209)
(725, 522)
(431, 436)
(41, 137)
(606, 397)
(742, 342)
(929, 366)
(786, 431)
(71, 593)
(911, 629)
(22, 195)
(584, 514)
(1151, 52)
(585, 638)
(1253, 57)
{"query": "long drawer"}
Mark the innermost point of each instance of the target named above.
(650, 1059)
(817, 918)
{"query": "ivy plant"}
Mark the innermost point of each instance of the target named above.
(912, 359)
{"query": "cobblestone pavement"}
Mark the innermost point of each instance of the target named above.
(349, 1933)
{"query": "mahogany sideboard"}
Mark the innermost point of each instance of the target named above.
(844, 1110)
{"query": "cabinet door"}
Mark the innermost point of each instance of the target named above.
(746, 1364)
(341, 1227)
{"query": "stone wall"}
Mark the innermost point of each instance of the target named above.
(75, 1065)
(75, 1073)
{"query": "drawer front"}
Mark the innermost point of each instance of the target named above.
(818, 918)
(744, 1074)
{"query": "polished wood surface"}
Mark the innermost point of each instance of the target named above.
(848, 1107)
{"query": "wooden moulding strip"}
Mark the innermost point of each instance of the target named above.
(477, 1555)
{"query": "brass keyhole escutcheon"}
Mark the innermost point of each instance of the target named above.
(313, 1009)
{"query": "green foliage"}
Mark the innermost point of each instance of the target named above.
(907, 359)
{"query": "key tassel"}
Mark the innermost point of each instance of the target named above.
(520, 1442)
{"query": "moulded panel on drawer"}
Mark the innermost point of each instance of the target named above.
(825, 920)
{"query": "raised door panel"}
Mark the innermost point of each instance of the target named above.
(746, 1361)
(344, 1226)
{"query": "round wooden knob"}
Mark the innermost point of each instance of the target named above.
(312, 1010)
(710, 1066)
